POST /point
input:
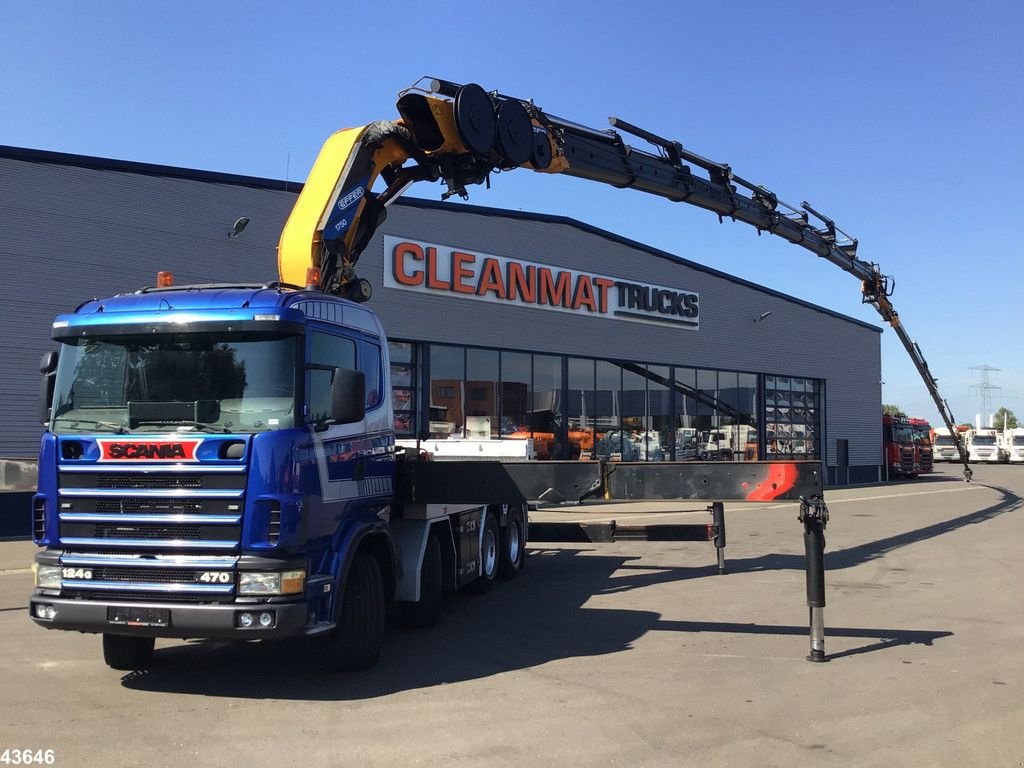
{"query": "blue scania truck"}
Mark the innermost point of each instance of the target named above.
(219, 462)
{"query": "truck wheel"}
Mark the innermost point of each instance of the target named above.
(490, 544)
(357, 640)
(513, 545)
(127, 652)
(427, 611)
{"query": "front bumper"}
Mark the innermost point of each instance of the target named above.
(185, 621)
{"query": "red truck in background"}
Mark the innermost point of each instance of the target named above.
(923, 459)
(898, 447)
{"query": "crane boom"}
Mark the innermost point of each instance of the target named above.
(459, 134)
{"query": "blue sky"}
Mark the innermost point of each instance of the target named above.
(902, 121)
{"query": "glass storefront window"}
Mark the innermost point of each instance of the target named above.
(792, 418)
(608, 438)
(685, 414)
(659, 438)
(707, 413)
(747, 407)
(579, 408)
(447, 405)
(403, 386)
(546, 407)
(516, 375)
(635, 441)
(605, 409)
(482, 393)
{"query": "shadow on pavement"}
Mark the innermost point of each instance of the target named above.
(541, 618)
(871, 550)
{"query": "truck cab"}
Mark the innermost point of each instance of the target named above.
(219, 462)
(1013, 445)
(983, 446)
(923, 456)
(898, 447)
(943, 445)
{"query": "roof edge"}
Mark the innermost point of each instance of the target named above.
(145, 169)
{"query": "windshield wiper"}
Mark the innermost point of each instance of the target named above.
(202, 425)
(117, 429)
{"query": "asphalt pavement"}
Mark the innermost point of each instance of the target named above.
(628, 653)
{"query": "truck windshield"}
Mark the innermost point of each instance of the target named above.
(984, 440)
(1018, 439)
(902, 434)
(943, 440)
(226, 382)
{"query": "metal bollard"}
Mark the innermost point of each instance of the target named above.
(717, 510)
(814, 516)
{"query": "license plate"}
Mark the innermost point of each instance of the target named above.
(138, 617)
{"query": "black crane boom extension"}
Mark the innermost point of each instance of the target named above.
(604, 157)
(460, 133)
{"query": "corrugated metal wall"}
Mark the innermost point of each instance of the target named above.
(71, 233)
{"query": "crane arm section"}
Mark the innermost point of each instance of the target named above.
(459, 134)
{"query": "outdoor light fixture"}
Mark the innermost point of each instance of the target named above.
(238, 226)
(762, 316)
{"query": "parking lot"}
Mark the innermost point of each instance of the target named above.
(631, 653)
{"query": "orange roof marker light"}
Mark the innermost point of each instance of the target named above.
(312, 277)
(164, 279)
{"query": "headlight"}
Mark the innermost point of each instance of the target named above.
(271, 583)
(47, 576)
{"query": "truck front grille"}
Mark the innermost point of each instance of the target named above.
(143, 575)
(907, 462)
(113, 531)
(150, 533)
(150, 480)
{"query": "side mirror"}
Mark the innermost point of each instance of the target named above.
(48, 363)
(47, 367)
(348, 396)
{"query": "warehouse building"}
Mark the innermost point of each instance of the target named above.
(504, 325)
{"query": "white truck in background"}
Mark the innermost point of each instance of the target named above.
(943, 445)
(733, 442)
(983, 446)
(1013, 445)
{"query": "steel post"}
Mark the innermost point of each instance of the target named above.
(717, 510)
(814, 516)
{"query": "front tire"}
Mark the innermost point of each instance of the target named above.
(356, 642)
(126, 652)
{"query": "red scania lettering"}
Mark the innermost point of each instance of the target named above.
(122, 450)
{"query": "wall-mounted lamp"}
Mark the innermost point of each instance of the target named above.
(238, 226)
(763, 316)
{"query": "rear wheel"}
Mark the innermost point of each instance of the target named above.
(357, 640)
(427, 611)
(513, 544)
(127, 652)
(490, 542)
